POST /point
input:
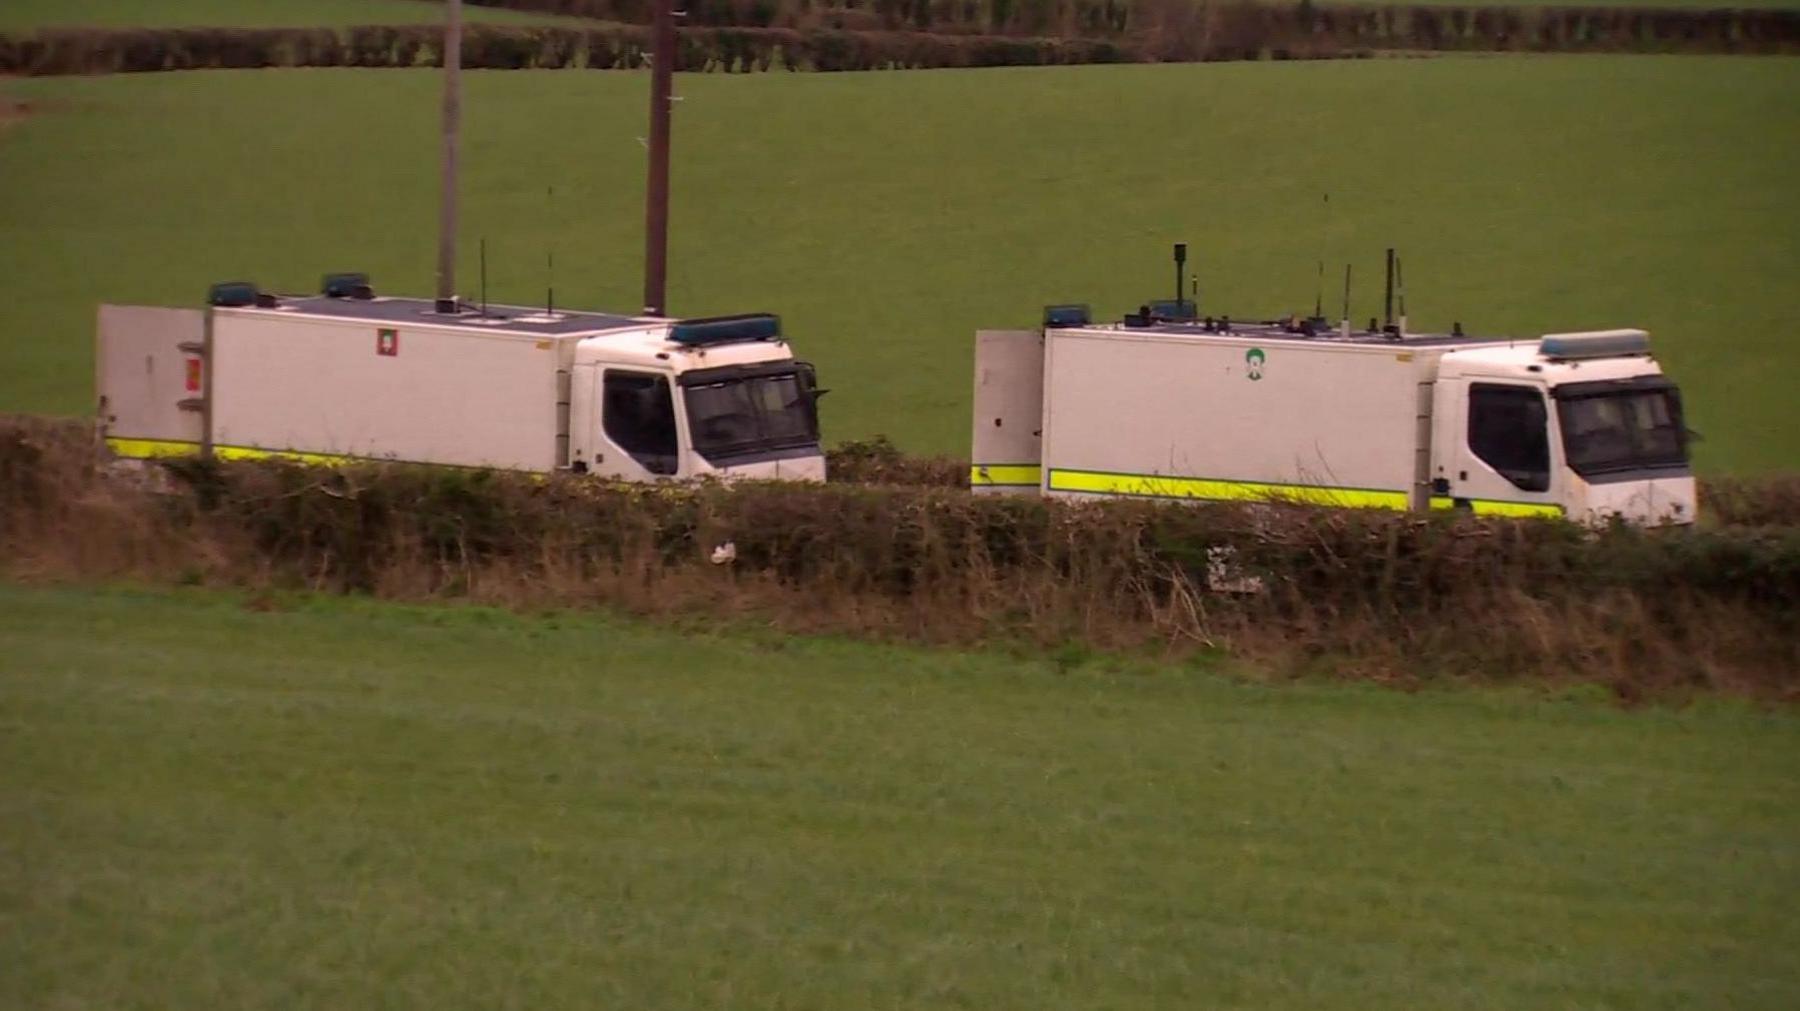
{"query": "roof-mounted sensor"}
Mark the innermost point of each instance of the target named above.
(1594, 344)
(1059, 316)
(726, 329)
(233, 294)
(1174, 310)
(346, 286)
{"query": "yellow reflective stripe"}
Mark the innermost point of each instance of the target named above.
(1497, 507)
(246, 453)
(1156, 486)
(1486, 507)
(149, 449)
(983, 475)
(144, 449)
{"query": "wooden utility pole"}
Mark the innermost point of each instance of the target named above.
(656, 198)
(446, 265)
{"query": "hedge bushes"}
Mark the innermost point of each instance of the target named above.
(1189, 26)
(1211, 32)
(1126, 18)
(1380, 594)
(729, 50)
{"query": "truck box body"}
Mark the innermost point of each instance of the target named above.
(1218, 416)
(411, 392)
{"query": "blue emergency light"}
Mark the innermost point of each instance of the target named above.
(1174, 309)
(232, 293)
(343, 285)
(756, 326)
(1066, 316)
(1594, 344)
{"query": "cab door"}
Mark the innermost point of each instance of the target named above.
(1497, 448)
(623, 424)
(151, 381)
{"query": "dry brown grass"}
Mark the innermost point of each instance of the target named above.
(1759, 502)
(1394, 598)
(879, 461)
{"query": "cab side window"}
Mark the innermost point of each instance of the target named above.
(1509, 431)
(638, 415)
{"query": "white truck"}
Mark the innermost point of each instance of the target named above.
(1163, 405)
(347, 374)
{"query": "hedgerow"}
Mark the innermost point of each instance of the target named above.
(1384, 595)
(734, 38)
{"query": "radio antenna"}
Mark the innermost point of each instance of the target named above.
(550, 253)
(1180, 271)
(1400, 290)
(1319, 286)
(484, 276)
(1346, 316)
(1387, 298)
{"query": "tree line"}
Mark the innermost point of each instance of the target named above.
(1185, 32)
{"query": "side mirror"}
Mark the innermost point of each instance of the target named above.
(809, 379)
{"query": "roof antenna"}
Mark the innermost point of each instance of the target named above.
(1387, 299)
(1400, 289)
(550, 254)
(1346, 316)
(1180, 271)
(1319, 288)
(484, 277)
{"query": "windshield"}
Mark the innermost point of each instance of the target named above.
(734, 417)
(1609, 427)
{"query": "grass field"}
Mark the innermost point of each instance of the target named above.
(888, 215)
(31, 14)
(345, 804)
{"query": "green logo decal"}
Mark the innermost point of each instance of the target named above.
(1253, 363)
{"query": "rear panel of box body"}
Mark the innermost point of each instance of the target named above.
(1208, 416)
(367, 389)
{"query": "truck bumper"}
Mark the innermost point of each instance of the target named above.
(810, 467)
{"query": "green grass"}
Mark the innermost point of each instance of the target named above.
(888, 215)
(16, 15)
(349, 803)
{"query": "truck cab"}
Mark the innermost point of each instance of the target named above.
(708, 397)
(1585, 425)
